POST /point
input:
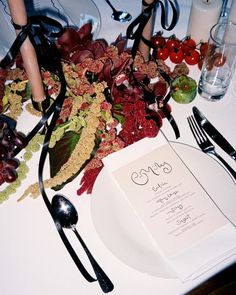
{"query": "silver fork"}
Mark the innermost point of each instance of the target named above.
(205, 144)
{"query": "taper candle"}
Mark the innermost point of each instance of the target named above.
(203, 15)
(19, 17)
(147, 33)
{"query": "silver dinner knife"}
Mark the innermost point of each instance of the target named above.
(214, 133)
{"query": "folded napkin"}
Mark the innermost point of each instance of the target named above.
(187, 227)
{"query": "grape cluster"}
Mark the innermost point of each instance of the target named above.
(10, 139)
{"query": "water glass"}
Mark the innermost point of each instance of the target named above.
(219, 63)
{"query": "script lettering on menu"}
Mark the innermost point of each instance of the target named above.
(142, 176)
(169, 201)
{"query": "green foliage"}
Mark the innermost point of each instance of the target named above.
(60, 153)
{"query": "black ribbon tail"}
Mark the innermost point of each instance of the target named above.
(172, 122)
(40, 30)
(134, 32)
(13, 51)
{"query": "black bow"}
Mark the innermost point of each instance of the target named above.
(41, 30)
(141, 21)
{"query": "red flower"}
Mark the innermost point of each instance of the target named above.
(127, 108)
(84, 106)
(88, 180)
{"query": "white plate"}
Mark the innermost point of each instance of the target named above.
(120, 230)
(76, 13)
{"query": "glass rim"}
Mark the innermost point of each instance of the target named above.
(226, 24)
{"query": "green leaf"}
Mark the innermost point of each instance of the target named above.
(28, 91)
(119, 118)
(60, 153)
(117, 107)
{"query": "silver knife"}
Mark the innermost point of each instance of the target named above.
(214, 133)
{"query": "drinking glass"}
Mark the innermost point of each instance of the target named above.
(219, 63)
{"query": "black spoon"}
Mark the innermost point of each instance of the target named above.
(66, 213)
(120, 16)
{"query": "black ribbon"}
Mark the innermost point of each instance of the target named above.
(56, 111)
(40, 30)
(139, 24)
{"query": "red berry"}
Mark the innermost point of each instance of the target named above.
(9, 175)
(200, 63)
(176, 55)
(162, 53)
(188, 44)
(172, 43)
(20, 141)
(157, 40)
(192, 57)
(219, 59)
(203, 49)
(11, 163)
(3, 151)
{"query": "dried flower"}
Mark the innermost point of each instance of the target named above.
(106, 107)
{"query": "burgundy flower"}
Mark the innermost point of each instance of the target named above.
(68, 40)
(120, 43)
(160, 89)
(79, 55)
(66, 109)
(127, 108)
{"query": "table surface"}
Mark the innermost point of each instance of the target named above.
(33, 258)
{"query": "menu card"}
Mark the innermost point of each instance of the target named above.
(171, 204)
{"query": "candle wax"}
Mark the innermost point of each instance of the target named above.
(203, 16)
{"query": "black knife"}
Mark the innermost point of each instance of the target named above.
(214, 133)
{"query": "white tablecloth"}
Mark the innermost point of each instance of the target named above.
(33, 258)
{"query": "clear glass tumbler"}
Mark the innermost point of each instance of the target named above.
(219, 63)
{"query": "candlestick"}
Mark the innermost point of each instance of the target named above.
(203, 15)
(19, 17)
(147, 33)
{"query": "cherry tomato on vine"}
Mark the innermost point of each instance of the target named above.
(176, 55)
(158, 40)
(219, 59)
(172, 43)
(203, 48)
(188, 44)
(162, 53)
(192, 57)
(200, 63)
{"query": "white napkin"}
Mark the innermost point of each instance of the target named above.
(196, 256)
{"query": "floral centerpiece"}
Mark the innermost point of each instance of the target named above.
(112, 100)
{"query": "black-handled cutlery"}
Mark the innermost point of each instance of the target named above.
(66, 215)
(214, 133)
(205, 144)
